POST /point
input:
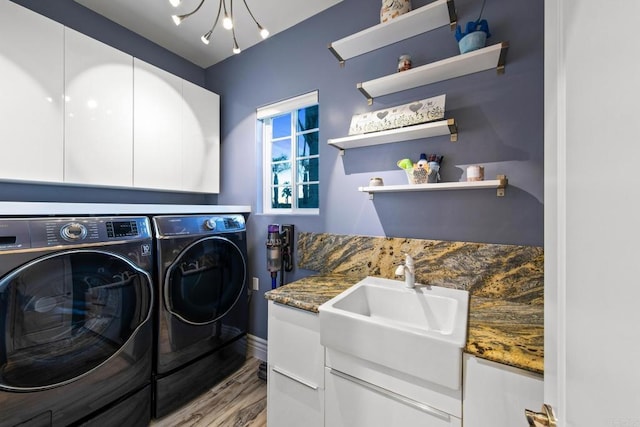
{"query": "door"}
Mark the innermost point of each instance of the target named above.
(66, 314)
(200, 295)
(205, 281)
(591, 213)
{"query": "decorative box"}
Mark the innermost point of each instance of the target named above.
(417, 112)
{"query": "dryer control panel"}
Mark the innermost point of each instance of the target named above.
(190, 225)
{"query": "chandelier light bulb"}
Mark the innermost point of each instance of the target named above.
(264, 33)
(175, 3)
(205, 38)
(236, 49)
(176, 19)
(227, 22)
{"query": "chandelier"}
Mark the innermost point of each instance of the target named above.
(227, 20)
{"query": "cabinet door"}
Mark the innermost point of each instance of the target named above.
(497, 395)
(200, 139)
(98, 112)
(356, 403)
(157, 129)
(291, 403)
(295, 395)
(31, 105)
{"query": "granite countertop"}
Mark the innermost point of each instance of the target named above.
(506, 332)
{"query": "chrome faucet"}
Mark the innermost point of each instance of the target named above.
(407, 270)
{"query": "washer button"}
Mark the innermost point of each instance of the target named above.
(73, 231)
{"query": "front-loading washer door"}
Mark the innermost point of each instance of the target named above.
(65, 314)
(205, 281)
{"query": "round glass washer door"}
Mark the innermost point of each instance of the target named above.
(66, 314)
(205, 281)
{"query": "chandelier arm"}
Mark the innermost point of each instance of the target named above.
(252, 17)
(217, 16)
(186, 15)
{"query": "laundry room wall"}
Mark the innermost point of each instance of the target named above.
(79, 18)
(500, 120)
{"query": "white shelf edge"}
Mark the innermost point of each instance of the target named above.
(456, 66)
(425, 130)
(498, 184)
(418, 21)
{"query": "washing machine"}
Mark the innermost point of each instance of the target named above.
(76, 325)
(202, 306)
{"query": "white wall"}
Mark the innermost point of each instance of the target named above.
(591, 212)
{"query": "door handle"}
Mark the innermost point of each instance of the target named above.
(544, 418)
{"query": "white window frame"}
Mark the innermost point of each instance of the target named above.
(263, 115)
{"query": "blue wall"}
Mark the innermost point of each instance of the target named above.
(500, 120)
(73, 15)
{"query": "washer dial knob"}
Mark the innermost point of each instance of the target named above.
(73, 231)
(210, 224)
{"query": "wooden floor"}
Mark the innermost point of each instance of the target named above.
(238, 401)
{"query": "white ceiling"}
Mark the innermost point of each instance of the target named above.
(152, 20)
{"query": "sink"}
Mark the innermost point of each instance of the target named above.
(418, 332)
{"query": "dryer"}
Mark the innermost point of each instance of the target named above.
(76, 328)
(202, 305)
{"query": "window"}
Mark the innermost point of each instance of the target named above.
(291, 158)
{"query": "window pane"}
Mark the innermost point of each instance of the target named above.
(307, 118)
(308, 196)
(281, 196)
(308, 170)
(281, 150)
(308, 144)
(280, 173)
(281, 126)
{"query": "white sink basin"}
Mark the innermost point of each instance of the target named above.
(420, 332)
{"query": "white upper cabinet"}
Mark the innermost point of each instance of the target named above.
(157, 129)
(98, 112)
(31, 105)
(176, 132)
(200, 139)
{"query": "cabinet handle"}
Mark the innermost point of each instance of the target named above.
(397, 397)
(294, 378)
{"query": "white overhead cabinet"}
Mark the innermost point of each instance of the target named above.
(176, 132)
(98, 113)
(157, 128)
(31, 105)
(76, 110)
(200, 139)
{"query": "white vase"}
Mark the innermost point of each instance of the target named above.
(393, 8)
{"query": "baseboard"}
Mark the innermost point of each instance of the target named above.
(257, 347)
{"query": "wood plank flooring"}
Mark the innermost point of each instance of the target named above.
(238, 401)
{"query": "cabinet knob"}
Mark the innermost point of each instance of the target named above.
(544, 418)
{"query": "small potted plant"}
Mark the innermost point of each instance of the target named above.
(476, 34)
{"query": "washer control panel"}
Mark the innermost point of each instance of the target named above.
(23, 233)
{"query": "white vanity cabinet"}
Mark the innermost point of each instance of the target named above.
(31, 105)
(176, 132)
(98, 113)
(360, 393)
(496, 395)
(295, 395)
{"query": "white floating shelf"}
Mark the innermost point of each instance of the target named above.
(425, 130)
(468, 63)
(499, 184)
(418, 21)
